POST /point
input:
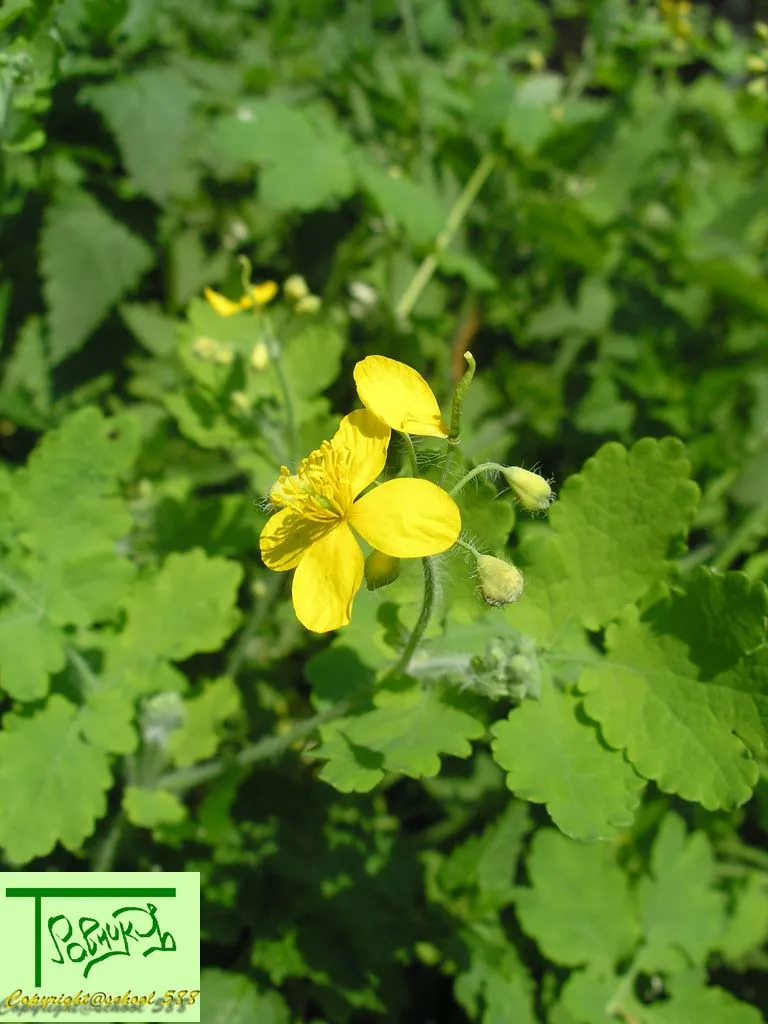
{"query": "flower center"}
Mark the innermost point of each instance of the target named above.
(320, 488)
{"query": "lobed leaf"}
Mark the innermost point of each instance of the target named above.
(45, 754)
(612, 532)
(553, 755)
(89, 262)
(675, 693)
(578, 906)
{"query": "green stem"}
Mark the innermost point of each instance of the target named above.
(456, 215)
(106, 851)
(275, 357)
(749, 531)
(285, 393)
(458, 399)
(735, 850)
(430, 590)
(265, 749)
(260, 609)
(484, 467)
(460, 393)
(468, 547)
(410, 449)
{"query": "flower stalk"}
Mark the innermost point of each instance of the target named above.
(427, 607)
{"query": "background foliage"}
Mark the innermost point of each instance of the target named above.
(560, 814)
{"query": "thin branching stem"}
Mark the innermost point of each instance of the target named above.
(456, 215)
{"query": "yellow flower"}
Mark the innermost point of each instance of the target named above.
(399, 396)
(259, 295)
(404, 518)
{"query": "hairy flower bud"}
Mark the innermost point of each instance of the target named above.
(531, 490)
(308, 304)
(295, 287)
(213, 351)
(259, 356)
(380, 569)
(500, 582)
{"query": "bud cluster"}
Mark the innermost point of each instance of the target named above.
(508, 669)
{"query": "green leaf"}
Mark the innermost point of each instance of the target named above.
(463, 264)
(628, 163)
(529, 120)
(488, 862)
(748, 924)
(553, 755)
(271, 133)
(199, 735)
(414, 207)
(578, 907)
(587, 993)
(185, 608)
(413, 726)
(151, 114)
(704, 1006)
(65, 500)
(675, 694)
(89, 261)
(679, 906)
(312, 360)
(495, 988)
(234, 999)
(45, 755)
(106, 719)
(487, 516)
(612, 530)
(156, 332)
(149, 808)
(349, 767)
(30, 652)
(12, 10)
(86, 590)
(27, 370)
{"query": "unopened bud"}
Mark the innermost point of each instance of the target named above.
(309, 304)
(241, 401)
(213, 351)
(531, 490)
(259, 356)
(295, 287)
(380, 570)
(757, 65)
(500, 582)
(536, 60)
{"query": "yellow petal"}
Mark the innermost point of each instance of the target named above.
(220, 304)
(366, 438)
(399, 396)
(326, 581)
(261, 294)
(407, 518)
(286, 537)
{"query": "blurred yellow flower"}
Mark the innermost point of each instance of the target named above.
(404, 518)
(258, 295)
(676, 13)
(399, 396)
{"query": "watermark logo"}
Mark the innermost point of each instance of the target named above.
(111, 946)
